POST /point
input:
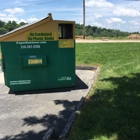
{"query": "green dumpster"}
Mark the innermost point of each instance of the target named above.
(39, 56)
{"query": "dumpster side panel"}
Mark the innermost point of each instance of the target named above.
(48, 66)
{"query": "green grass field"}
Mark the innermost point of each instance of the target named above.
(112, 110)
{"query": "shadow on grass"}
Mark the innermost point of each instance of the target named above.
(47, 121)
(112, 113)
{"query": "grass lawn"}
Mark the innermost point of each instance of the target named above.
(112, 110)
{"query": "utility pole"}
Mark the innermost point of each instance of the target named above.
(83, 19)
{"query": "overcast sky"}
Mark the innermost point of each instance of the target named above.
(115, 14)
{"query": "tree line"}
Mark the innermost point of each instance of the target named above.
(9, 26)
(93, 31)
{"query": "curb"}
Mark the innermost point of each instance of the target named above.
(74, 114)
(49, 134)
(68, 126)
(85, 68)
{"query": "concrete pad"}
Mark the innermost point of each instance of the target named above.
(28, 115)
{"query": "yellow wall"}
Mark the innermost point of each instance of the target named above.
(21, 35)
(49, 27)
(45, 26)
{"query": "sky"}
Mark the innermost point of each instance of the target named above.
(122, 15)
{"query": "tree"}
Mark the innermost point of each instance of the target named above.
(10, 26)
(21, 24)
(2, 23)
(3, 31)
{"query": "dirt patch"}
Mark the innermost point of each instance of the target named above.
(134, 36)
(103, 41)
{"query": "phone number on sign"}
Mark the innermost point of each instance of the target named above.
(30, 46)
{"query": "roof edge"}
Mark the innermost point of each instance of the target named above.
(4, 36)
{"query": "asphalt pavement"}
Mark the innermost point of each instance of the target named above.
(28, 115)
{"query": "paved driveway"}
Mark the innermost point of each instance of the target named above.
(28, 115)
